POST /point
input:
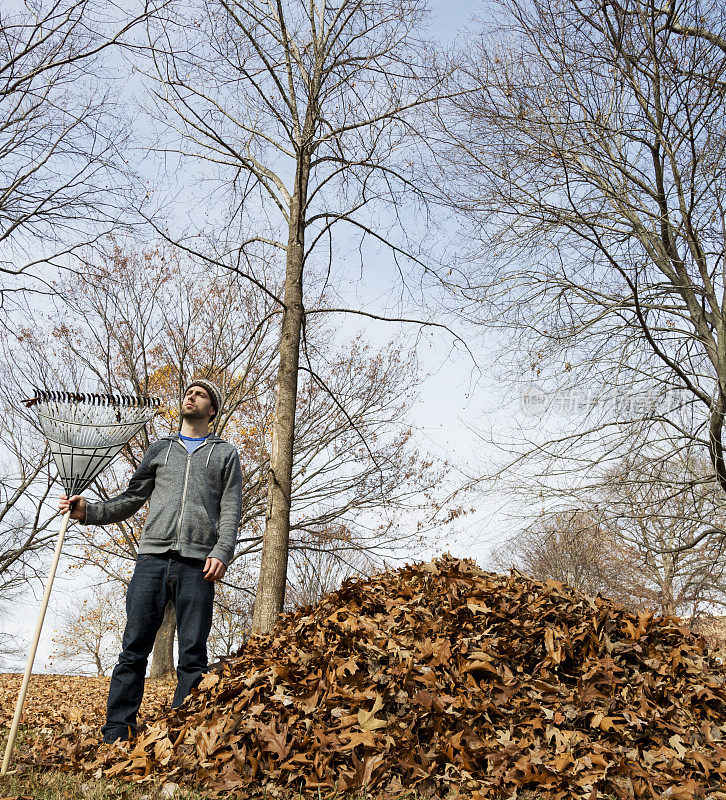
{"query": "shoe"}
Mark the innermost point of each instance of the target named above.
(116, 739)
(109, 737)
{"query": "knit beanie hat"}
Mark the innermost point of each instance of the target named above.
(215, 395)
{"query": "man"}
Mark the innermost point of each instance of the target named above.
(194, 482)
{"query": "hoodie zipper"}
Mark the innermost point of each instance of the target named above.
(184, 497)
(184, 493)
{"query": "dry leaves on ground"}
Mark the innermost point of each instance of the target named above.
(72, 703)
(451, 680)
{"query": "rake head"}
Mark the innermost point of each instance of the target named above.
(87, 431)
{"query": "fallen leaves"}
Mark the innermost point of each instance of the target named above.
(72, 702)
(274, 740)
(367, 719)
(450, 680)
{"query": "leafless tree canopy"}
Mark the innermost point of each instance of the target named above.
(630, 544)
(589, 154)
(259, 88)
(654, 518)
(63, 178)
(26, 528)
(569, 547)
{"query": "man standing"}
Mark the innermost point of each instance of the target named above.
(194, 482)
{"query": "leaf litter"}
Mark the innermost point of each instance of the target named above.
(445, 679)
(75, 703)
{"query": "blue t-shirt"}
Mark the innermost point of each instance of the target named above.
(192, 443)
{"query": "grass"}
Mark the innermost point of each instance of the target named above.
(53, 785)
(35, 784)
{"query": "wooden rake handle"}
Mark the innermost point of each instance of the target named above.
(34, 646)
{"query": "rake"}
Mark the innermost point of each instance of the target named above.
(85, 433)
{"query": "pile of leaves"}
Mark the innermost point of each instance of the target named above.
(453, 681)
(71, 703)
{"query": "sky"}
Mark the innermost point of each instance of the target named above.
(457, 396)
(448, 17)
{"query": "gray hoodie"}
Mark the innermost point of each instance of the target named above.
(196, 499)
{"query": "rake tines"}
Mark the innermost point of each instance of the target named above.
(86, 431)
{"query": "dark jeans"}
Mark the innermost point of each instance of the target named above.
(157, 579)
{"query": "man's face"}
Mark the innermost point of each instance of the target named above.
(197, 404)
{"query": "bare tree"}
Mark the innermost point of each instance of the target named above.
(653, 521)
(25, 484)
(90, 631)
(26, 529)
(12, 646)
(317, 569)
(570, 547)
(303, 111)
(589, 153)
(628, 546)
(63, 178)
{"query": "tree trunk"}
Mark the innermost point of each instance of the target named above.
(162, 660)
(270, 594)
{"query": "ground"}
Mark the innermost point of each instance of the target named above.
(55, 703)
(442, 677)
